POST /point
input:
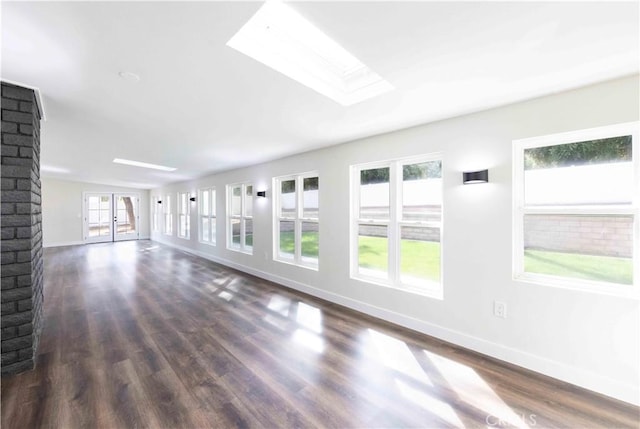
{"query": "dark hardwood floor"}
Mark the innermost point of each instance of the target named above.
(138, 335)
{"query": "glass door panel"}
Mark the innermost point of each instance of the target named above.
(126, 217)
(98, 218)
(110, 217)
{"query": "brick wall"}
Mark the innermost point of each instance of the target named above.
(431, 213)
(408, 232)
(588, 235)
(21, 219)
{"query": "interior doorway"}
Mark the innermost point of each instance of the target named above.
(111, 217)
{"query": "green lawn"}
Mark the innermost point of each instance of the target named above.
(421, 259)
(309, 243)
(373, 253)
(248, 239)
(596, 268)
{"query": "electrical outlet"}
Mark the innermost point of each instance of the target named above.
(500, 309)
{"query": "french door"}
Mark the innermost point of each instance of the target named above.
(111, 217)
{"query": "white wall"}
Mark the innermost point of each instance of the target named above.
(62, 210)
(587, 339)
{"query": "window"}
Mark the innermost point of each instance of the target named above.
(576, 209)
(397, 224)
(207, 215)
(240, 215)
(155, 216)
(168, 217)
(280, 38)
(297, 220)
(184, 230)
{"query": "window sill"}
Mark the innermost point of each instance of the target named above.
(428, 292)
(208, 243)
(610, 289)
(293, 263)
(239, 250)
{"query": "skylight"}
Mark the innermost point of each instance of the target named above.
(280, 38)
(143, 164)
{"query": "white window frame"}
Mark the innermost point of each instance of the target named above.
(155, 215)
(520, 210)
(395, 222)
(243, 217)
(298, 220)
(168, 216)
(186, 213)
(211, 191)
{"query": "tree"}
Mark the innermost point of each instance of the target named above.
(614, 149)
(288, 186)
(425, 170)
(130, 213)
(374, 175)
(308, 184)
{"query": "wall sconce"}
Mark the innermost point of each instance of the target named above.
(262, 194)
(481, 176)
(192, 199)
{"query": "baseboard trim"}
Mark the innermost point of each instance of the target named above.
(558, 370)
(63, 244)
(75, 243)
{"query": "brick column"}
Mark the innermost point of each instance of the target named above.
(21, 219)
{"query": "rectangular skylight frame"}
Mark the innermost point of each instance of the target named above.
(143, 164)
(282, 39)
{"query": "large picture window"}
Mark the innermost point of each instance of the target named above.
(297, 219)
(397, 224)
(207, 215)
(184, 227)
(168, 216)
(576, 209)
(240, 217)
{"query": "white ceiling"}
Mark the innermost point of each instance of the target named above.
(203, 107)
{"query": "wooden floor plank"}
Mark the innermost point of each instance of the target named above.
(137, 334)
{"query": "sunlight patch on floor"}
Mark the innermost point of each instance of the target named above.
(309, 340)
(440, 409)
(395, 354)
(226, 295)
(310, 317)
(279, 304)
(472, 389)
